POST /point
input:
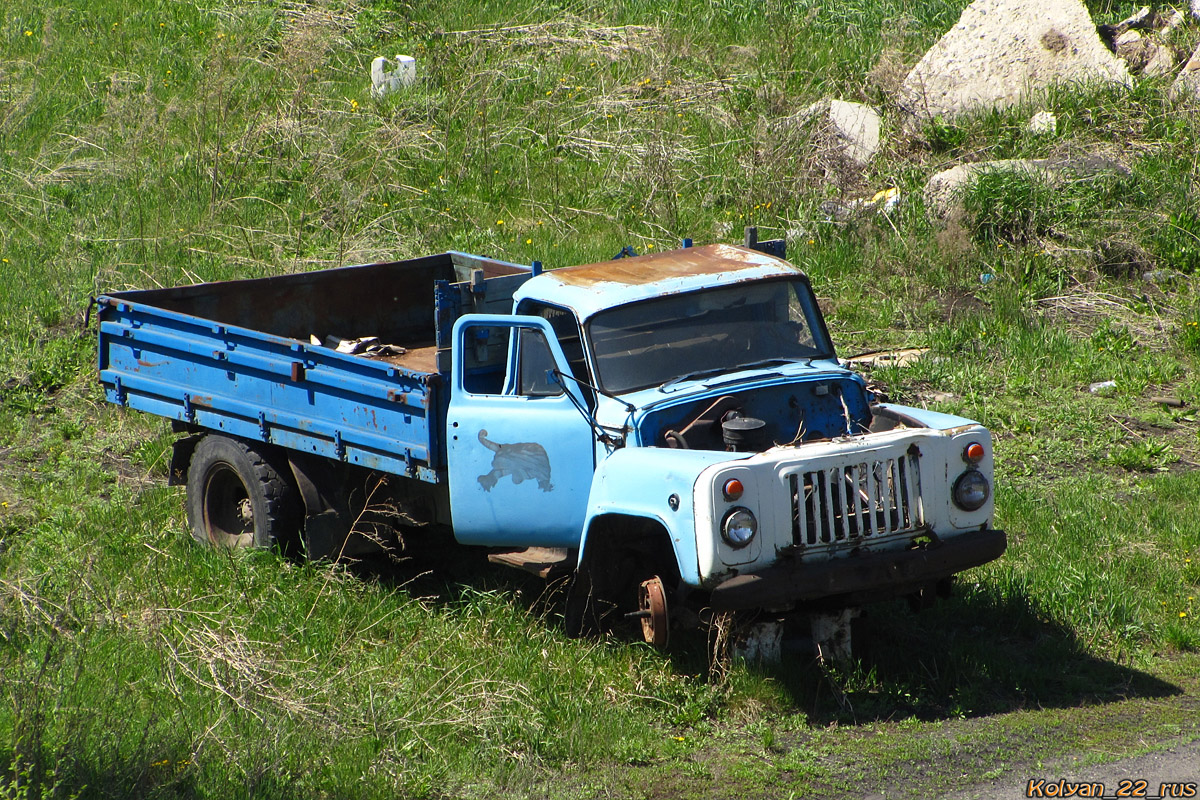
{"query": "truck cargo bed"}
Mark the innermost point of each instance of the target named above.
(241, 357)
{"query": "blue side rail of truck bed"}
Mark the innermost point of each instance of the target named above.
(239, 356)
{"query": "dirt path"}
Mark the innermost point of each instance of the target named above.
(1179, 765)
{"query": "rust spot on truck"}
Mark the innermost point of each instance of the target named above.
(707, 260)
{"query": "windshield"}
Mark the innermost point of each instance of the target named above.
(707, 332)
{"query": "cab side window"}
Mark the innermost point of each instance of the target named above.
(566, 330)
(534, 360)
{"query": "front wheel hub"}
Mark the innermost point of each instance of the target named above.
(652, 608)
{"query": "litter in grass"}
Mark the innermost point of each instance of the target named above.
(401, 74)
(1170, 402)
(884, 201)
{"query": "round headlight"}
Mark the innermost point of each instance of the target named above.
(739, 527)
(971, 490)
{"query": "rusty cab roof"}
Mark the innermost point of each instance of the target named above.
(590, 288)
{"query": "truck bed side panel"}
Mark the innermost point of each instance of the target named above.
(235, 356)
(268, 388)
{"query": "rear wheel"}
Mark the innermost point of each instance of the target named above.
(240, 495)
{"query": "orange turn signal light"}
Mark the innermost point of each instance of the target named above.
(733, 489)
(973, 453)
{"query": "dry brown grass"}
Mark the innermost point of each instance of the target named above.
(568, 32)
(1084, 309)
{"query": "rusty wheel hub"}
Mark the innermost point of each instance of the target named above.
(652, 605)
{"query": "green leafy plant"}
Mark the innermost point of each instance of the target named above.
(1145, 456)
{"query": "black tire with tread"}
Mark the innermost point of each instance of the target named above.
(241, 495)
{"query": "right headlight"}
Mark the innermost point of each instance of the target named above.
(739, 527)
(971, 490)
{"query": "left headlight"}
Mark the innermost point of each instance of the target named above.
(971, 490)
(739, 527)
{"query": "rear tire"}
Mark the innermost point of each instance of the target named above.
(240, 495)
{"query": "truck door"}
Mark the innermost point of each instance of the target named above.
(520, 453)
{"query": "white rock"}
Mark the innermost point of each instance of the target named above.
(1160, 60)
(1138, 17)
(1196, 9)
(1187, 85)
(384, 81)
(1000, 51)
(1043, 122)
(1128, 37)
(854, 126)
(761, 643)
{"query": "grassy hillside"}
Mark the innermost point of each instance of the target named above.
(150, 143)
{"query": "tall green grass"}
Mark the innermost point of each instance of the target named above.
(155, 143)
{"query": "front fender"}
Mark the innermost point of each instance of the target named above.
(642, 482)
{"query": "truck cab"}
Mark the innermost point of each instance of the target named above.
(679, 426)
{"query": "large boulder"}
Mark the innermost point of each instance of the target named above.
(852, 128)
(1001, 51)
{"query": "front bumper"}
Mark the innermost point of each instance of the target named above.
(861, 578)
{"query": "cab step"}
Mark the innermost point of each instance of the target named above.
(545, 562)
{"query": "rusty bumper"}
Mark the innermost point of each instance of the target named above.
(866, 577)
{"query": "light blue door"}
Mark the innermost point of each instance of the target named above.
(520, 452)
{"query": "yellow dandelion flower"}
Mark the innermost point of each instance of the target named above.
(1183, 615)
(30, 33)
(499, 222)
(529, 241)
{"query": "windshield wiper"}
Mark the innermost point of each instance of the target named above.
(705, 373)
(700, 373)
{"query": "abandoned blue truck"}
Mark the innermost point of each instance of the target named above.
(670, 433)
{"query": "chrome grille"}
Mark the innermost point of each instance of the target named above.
(856, 501)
